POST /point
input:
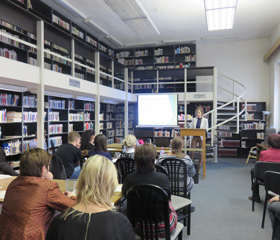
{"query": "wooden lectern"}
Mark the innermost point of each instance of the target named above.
(197, 132)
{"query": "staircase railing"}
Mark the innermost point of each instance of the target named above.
(237, 94)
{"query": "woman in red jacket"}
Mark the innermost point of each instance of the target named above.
(31, 199)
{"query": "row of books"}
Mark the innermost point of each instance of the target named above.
(122, 54)
(9, 40)
(60, 22)
(77, 32)
(53, 116)
(91, 41)
(118, 140)
(88, 125)
(87, 116)
(9, 99)
(14, 116)
(56, 128)
(56, 140)
(120, 124)
(254, 125)
(76, 116)
(11, 54)
(59, 104)
(32, 116)
(89, 106)
(119, 132)
(162, 133)
(110, 133)
(12, 147)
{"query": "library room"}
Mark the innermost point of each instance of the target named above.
(161, 118)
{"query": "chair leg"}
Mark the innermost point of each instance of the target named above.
(264, 209)
(248, 158)
(274, 228)
(189, 220)
(253, 204)
(184, 214)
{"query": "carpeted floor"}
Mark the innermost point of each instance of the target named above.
(223, 211)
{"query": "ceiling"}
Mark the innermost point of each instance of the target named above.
(177, 20)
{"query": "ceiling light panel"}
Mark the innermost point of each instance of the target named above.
(220, 14)
(134, 15)
(214, 4)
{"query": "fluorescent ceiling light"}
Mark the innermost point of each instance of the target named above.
(71, 8)
(147, 44)
(57, 94)
(220, 14)
(174, 42)
(134, 15)
(95, 27)
(14, 88)
(114, 41)
(221, 37)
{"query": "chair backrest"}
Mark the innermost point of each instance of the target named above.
(177, 171)
(147, 206)
(161, 169)
(57, 168)
(272, 182)
(124, 167)
(262, 167)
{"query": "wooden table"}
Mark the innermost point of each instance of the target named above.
(197, 132)
(61, 183)
(117, 147)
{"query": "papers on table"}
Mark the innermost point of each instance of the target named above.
(118, 188)
(3, 176)
(2, 194)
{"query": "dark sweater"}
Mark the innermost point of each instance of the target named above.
(95, 152)
(102, 225)
(70, 156)
(155, 178)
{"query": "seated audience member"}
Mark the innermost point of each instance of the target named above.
(100, 146)
(270, 155)
(130, 144)
(5, 168)
(144, 158)
(31, 199)
(93, 217)
(33, 143)
(274, 214)
(87, 142)
(176, 151)
(70, 155)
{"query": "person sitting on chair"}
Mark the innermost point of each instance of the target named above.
(87, 142)
(100, 146)
(93, 217)
(130, 144)
(177, 144)
(5, 168)
(70, 155)
(274, 214)
(32, 199)
(270, 155)
(144, 157)
(202, 123)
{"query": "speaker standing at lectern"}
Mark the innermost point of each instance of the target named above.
(198, 122)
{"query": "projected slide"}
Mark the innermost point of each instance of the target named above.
(157, 110)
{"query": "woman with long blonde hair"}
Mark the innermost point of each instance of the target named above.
(93, 217)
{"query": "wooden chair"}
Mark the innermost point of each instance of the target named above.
(252, 153)
(147, 206)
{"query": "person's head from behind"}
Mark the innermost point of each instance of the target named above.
(35, 163)
(144, 157)
(199, 112)
(74, 138)
(97, 182)
(100, 143)
(177, 144)
(130, 141)
(274, 141)
(87, 137)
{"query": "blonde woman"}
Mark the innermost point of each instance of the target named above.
(198, 122)
(93, 217)
(130, 144)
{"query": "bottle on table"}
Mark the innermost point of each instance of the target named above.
(161, 151)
